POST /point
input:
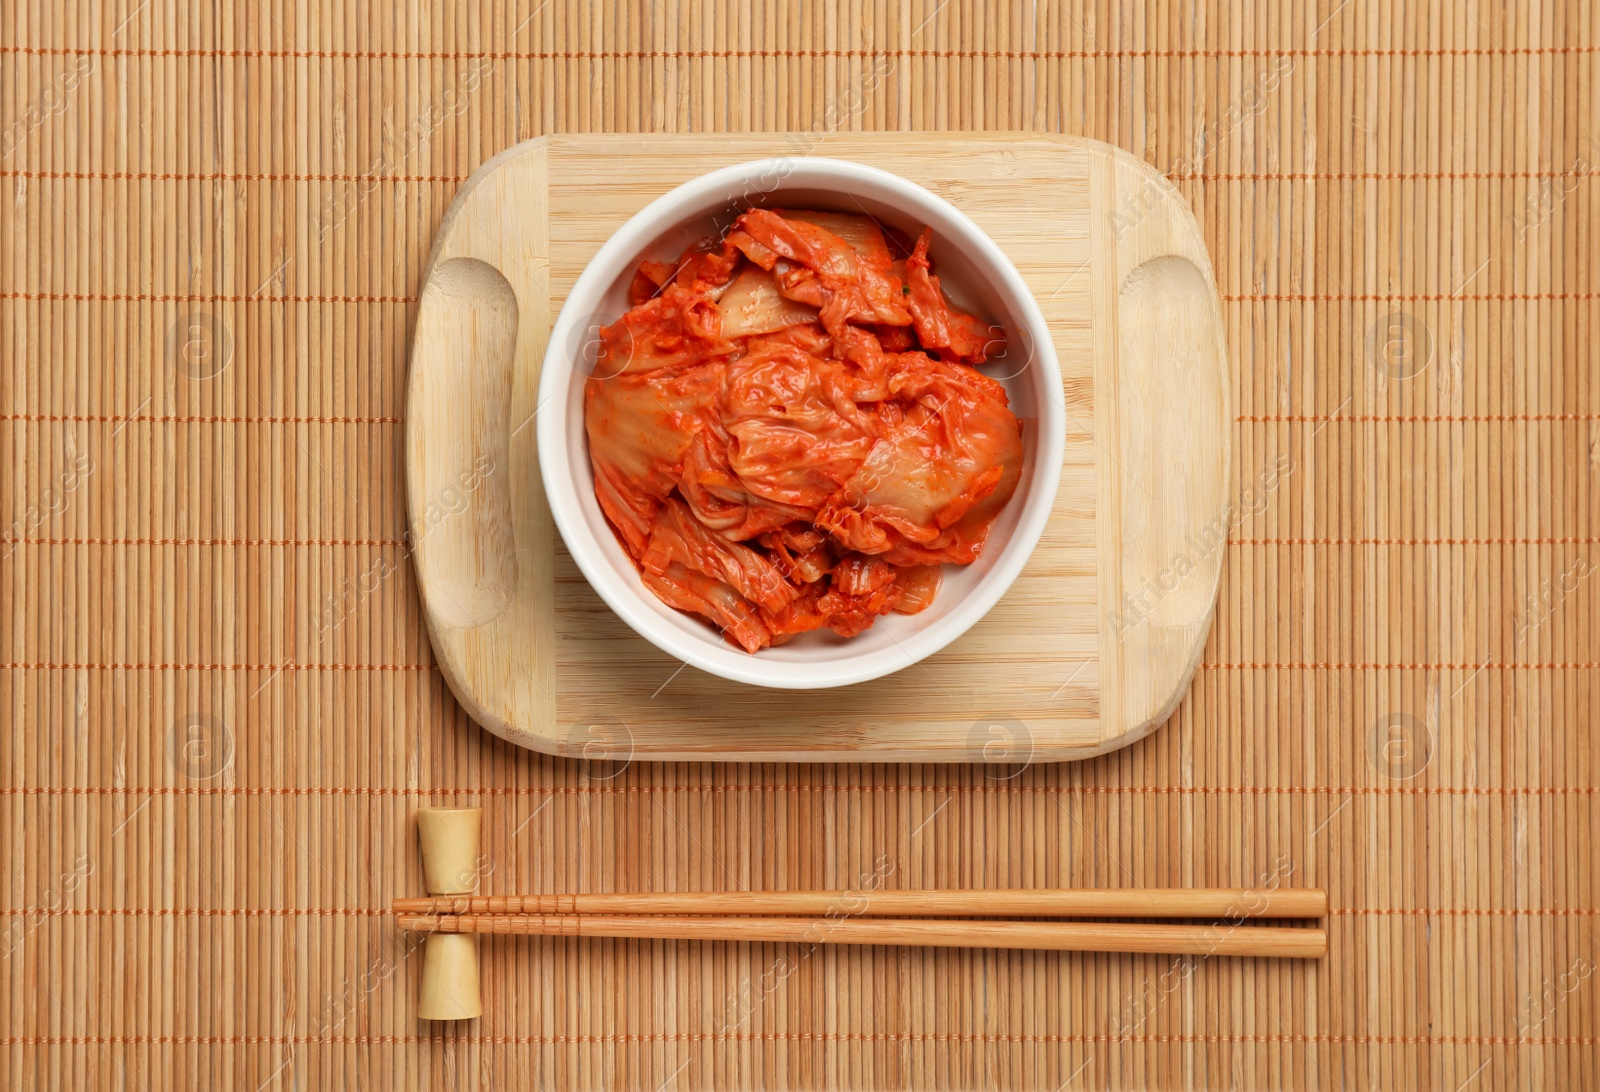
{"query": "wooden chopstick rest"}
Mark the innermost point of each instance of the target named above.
(1231, 904)
(450, 838)
(1060, 936)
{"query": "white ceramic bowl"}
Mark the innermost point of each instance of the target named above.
(973, 271)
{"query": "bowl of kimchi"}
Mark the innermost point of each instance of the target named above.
(800, 423)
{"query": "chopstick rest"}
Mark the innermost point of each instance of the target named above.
(450, 838)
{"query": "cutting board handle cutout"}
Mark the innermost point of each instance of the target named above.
(1168, 340)
(466, 341)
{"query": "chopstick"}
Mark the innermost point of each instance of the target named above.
(1231, 903)
(1200, 940)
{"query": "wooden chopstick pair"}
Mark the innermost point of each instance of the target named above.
(451, 866)
(915, 918)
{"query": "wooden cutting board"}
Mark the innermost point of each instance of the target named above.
(1093, 645)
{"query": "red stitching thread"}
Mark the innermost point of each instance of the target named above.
(215, 667)
(1188, 176)
(1406, 297)
(192, 419)
(228, 176)
(787, 1036)
(741, 54)
(1466, 912)
(127, 297)
(375, 912)
(650, 790)
(1370, 176)
(197, 912)
(1465, 418)
(1410, 541)
(1398, 667)
(201, 542)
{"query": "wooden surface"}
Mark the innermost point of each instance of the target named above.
(538, 658)
(1401, 203)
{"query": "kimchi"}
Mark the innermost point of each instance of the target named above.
(789, 431)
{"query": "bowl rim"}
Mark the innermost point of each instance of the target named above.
(565, 500)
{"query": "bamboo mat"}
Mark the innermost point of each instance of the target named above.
(219, 709)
